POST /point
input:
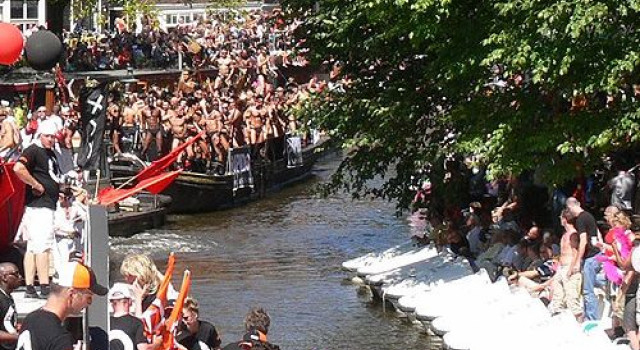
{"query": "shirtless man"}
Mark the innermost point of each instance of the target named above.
(217, 134)
(235, 121)
(113, 126)
(9, 137)
(150, 120)
(254, 116)
(178, 122)
(566, 285)
(127, 130)
(224, 70)
(186, 84)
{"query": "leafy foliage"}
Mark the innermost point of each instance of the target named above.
(520, 84)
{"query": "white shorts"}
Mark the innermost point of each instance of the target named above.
(37, 229)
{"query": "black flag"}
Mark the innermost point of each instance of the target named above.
(93, 106)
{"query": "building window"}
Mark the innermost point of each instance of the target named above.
(32, 9)
(17, 10)
(171, 19)
(24, 9)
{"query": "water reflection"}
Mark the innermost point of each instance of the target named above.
(284, 253)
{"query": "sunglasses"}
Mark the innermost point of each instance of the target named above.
(13, 273)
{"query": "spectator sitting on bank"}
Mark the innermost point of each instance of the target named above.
(505, 220)
(457, 242)
(141, 273)
(256, 324)
(475, 235)
(537, 278)
(126, 330)
(509, 254)
(193, 333)
(534, 235)
(488, 260)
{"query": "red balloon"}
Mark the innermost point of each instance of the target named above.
(12, 43)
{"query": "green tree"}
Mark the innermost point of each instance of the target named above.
(521, 84)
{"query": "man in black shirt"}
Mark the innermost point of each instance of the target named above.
(38, 168)
(195, 334)
(70, 293)
(589, 236)
(126, 331)
(9, 280)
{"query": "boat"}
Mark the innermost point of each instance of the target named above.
(150, 213)
(193, 192)
(428, 276)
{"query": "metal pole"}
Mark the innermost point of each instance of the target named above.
(96, 318)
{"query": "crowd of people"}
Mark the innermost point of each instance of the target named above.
(199, 43)
(577, 265)
(72, 291)
(248, 103)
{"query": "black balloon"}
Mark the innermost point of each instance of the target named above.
(43, 50)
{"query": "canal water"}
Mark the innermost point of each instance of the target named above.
(284, 253)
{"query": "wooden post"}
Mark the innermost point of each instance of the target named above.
(49, 98)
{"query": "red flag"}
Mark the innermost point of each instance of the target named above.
(155, 185)
(7, 187)
(159, 165)
(153, 317)
(171, 325)
(11, 204)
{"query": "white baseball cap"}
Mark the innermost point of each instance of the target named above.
(120, 291)
(47, 127)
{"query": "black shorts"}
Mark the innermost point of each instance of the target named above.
(629, 317)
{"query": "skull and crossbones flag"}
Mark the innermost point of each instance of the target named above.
(93, 108)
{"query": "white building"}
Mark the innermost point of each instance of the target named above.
(174, 12)
(23, 13)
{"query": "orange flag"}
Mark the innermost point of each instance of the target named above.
(153, 317)
(171, 324)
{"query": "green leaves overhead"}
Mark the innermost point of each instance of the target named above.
(521, 84)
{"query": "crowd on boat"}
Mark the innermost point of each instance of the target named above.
(248, 101)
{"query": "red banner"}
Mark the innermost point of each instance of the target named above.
(12, 199)
(155, 185)
(161, 164)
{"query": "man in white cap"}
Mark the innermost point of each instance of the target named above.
(71, 292)
(38, 168)
(127, 331)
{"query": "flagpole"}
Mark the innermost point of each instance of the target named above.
(127, 182)
(97, 183)
(187, 144)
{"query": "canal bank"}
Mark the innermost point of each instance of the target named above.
(285, 253)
